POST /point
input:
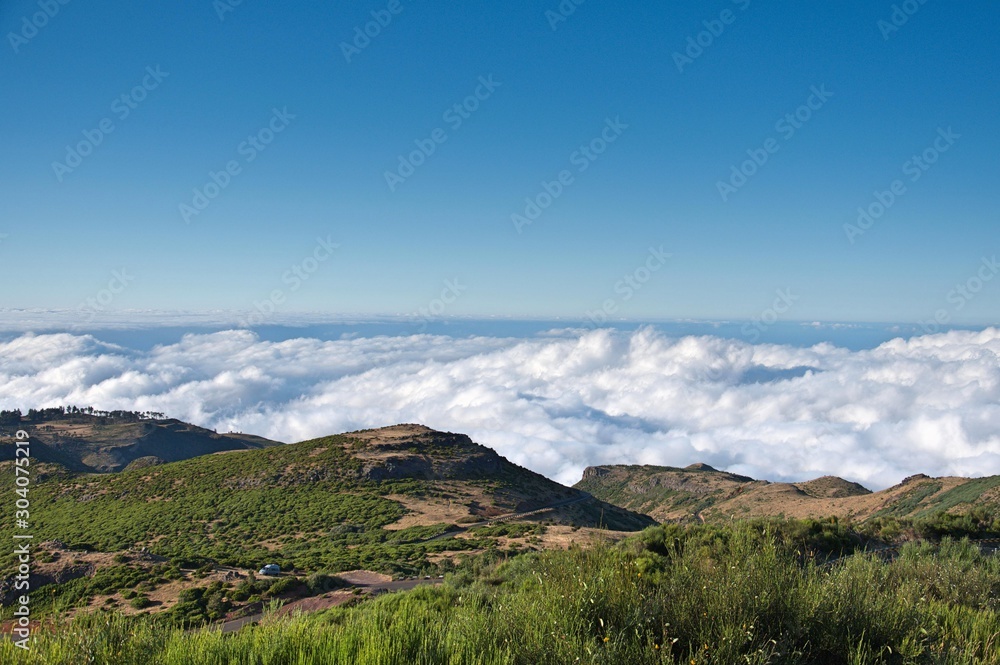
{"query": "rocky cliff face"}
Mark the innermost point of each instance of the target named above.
(414, 451)
(429, 468)
(595, 472)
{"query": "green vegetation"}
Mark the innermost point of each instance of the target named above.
(140, 602)
(104, 581)
(699, 493)
(746, 593)
(509, 529)
(978, 522)
(644, 488)
(14, 417)
(663, 490)
(211, 602)
(90, 441)
(911, 501)
(309, 507)
(303, 507)
(967, 492)
(760, 591)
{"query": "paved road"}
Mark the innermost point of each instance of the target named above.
(404, 585)
(236, 624)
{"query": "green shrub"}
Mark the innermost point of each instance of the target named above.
(282, 585)
(140, 602)
(740, 594)
(322, 582)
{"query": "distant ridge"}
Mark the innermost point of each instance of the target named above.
(700, 492)
(832, 487)
(90, 443)
(624, 494)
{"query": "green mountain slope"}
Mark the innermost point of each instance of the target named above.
(364, 499)
(663, 492)
(82, 442)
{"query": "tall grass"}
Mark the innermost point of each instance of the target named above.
(743, 597)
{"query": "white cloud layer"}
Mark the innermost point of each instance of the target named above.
(560, 402)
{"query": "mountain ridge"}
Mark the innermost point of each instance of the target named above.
(87, 443)
(221, 506)
(699, 492)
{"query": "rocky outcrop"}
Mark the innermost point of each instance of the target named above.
(465, 467)
(595, 472)
(9, 594)
(915, 478)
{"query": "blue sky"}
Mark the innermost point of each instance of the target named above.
(656, 185)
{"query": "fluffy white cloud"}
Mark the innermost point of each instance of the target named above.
(559, 402)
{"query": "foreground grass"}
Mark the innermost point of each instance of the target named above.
(734, 596)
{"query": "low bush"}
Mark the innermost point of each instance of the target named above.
(739, 594)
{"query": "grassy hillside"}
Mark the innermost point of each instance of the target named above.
(702, 493)
(663, 492)
(372, 499)
(735, 594)
(82, 442)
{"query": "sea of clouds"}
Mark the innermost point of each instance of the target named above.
(564, 400)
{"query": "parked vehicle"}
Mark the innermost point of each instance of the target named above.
(270, 569)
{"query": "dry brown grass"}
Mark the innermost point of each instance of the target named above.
(789, 500)
(424, 511)
(363, 577)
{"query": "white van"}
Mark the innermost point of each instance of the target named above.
(270, 569)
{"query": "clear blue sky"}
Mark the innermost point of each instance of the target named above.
(324, 174)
